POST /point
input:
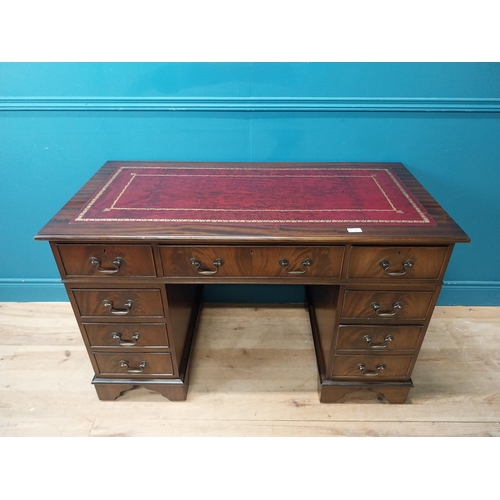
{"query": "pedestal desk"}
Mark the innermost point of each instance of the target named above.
(136, 244)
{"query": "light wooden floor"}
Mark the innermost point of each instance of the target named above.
(253, 373)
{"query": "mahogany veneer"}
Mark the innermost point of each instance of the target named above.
(136, 244)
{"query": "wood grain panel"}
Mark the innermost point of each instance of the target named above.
(45, 375)
(145, 302)
(137, 260)
(176, 261)
(324, 261)
(373, 338)
(394, 367)
(415, 305)
(427, 262)
(124, 335)
(158, 364)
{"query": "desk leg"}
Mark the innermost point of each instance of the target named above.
(340, 392)
(108, 390)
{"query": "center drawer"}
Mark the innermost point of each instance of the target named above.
(243, 261)
(119, 302)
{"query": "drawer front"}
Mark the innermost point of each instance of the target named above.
(387, 305)
(107, 260)
(134, 364)
(297, 261)
(371, 368)
(119, 302)
(373, 338)
(397, 262)
(127, 335)
(282, 261)
(199, 261)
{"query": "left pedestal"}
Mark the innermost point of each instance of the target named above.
(138, 330)
(139, 336)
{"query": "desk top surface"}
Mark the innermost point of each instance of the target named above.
(253, 203)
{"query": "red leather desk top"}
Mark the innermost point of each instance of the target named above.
(246, 196)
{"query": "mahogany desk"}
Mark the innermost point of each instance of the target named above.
(136, 244)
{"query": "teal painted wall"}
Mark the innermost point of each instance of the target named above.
(60, 122)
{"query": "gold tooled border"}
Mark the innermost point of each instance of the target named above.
(81, 216)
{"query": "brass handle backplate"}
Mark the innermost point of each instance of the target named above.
(371, 373)
(97, 263)
(386, 314)
(386, 265)
(118, 336)
(371, 345)
(119, 312)
(217, 263)
(305, 264)
(140, 369)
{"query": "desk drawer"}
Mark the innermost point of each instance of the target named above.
(366, 367)
(373, 338)
(134, 364)
(193, 261)
(119, 302)
(397, 262)
(107, 260)
(227, 261)
(296, 261)
(127, 335)
(385, 305)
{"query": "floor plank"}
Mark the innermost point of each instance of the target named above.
(253, 373)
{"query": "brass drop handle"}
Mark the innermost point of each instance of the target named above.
(139, 369)
(385, 314)
(119, 312)
(217, 263)
(118, 336)
(371, 345)
(371, 373)
(386, 265)
(305, 264)
(97, 263)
